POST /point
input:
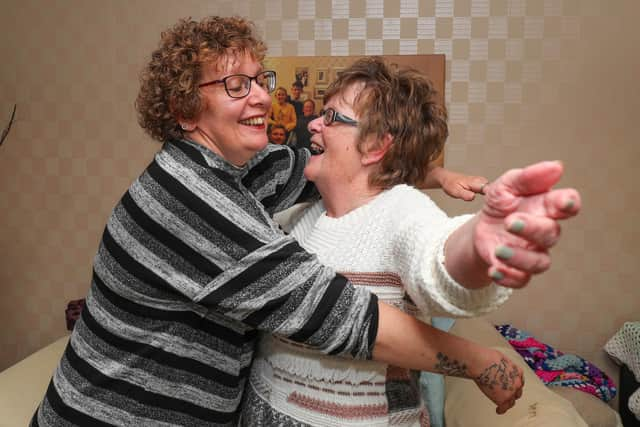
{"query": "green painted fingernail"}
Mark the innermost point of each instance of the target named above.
(517, 226)
(496, 275)
(504, 252)
(569, 205)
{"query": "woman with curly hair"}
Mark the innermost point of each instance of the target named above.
(191, 266)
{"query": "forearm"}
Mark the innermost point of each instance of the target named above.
(290, 124)
(407, 342)
(433, 178)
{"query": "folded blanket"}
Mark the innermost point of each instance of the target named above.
(555, 368)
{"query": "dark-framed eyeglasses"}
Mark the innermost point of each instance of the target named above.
(330, 115)
(239, 85)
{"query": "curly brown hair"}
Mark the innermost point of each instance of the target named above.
(169, 82)
(401, 103)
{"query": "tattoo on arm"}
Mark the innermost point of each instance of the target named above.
(451, 367)
(498, 375)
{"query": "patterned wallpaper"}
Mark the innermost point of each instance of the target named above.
(525, 81)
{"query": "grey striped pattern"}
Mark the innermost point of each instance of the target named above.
(189, 268)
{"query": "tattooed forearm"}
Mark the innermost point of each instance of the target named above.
(451, 367)
(499, 375)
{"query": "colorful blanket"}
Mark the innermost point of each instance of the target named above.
(555, 368)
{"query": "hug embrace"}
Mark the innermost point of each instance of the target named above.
(203, 311)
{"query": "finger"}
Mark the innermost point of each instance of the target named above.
(562, 203)
(504, 407)
(477, 184)
(539, 231)
(508, 277)
(526, 260)
(466, 195)
(534, 179)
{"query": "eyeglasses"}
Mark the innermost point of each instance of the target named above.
(330, 115)
(239, 85)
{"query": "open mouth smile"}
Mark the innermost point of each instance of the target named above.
(316, 149)
(253, 121)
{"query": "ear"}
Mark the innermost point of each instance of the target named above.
(187, 126)
(375, 155)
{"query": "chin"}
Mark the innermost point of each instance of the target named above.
(308, 172)
(259, 144)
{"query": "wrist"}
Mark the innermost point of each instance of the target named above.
(463, 260)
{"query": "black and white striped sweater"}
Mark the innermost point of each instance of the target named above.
(190, 267)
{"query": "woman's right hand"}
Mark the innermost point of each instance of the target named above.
(500, 380)
(519, 222)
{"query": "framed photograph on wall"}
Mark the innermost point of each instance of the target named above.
(302, 75)
(318, 91)
(290, 68)
(322, 76)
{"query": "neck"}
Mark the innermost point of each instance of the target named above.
(202, 138)
(342, 199)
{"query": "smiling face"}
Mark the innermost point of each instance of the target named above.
(338, 161)
(308, 108)
(278, 135)
(234, 128)
(295, 92)
(281, 96)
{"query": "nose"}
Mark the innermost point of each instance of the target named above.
(316, 125)
(259, 95)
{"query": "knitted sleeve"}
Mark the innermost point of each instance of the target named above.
(182, 228)
(276, 178)
(419, 249)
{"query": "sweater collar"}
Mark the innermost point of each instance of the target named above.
(215, 161)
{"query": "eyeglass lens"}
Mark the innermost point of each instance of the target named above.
(238, 86)
(328, 116)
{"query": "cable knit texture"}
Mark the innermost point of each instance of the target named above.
(394, 247)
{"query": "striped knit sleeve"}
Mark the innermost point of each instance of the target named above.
(192, 230)
(276, 178)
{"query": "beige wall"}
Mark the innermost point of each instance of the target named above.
(541, 79)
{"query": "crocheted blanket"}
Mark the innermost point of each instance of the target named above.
(556, 368)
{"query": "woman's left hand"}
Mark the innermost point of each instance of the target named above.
(519, 222)
(461, 186)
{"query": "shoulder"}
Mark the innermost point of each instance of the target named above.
(406, 196)
(407, 206)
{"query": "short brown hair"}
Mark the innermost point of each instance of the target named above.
(401, 103)
(169, 82)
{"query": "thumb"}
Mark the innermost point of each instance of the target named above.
(533, 179)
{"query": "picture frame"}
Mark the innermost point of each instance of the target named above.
(322, 76)
(290, 68)
(318, 91)
(302, 75)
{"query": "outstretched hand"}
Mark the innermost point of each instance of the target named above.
(519, 222)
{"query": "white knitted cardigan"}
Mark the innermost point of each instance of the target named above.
(394, 246)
